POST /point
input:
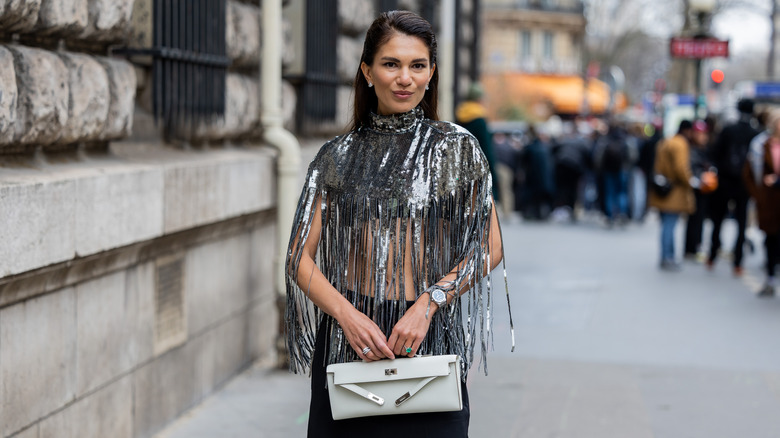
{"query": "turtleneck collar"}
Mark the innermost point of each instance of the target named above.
(396, 123)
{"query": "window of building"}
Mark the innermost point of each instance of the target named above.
(548, 45)
(525, 45)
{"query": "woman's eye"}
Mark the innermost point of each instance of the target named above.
(418, 66)
(389, 64)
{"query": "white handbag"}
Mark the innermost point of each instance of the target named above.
(398, 386)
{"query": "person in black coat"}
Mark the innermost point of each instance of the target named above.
(729, 154)
(700, 163)
(570, 154)
(472, 115)
(536, 195)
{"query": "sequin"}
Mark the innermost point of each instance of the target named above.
(403, 201)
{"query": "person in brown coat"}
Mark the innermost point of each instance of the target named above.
(672, 160)
(762, 180)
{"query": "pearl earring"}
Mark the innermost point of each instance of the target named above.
(370, 84)
(426, 87)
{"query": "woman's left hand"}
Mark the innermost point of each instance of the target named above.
(411, 329)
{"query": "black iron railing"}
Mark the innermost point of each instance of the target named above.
(189, 63)
(321, 80)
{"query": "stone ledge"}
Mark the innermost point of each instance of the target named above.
(57, 211)
(21, 287)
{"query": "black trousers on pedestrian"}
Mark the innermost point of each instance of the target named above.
(719, 209)
(567, 183)
(427, 425)
(772, 245)
(695, 225)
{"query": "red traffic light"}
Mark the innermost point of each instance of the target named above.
(717, 76)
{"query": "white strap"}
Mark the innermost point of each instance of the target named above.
(414, 390)
(363, 393)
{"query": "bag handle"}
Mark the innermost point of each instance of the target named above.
(368, 395)
(414, 391)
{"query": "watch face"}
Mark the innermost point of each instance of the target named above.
(439, 297)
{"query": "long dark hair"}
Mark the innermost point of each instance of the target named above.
(379, 33)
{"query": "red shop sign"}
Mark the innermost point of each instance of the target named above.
(693, 48)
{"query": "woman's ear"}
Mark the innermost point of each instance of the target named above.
(433, 69)
(366, 71)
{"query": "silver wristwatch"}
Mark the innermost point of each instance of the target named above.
(438, 296)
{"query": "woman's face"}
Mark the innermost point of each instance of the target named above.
(400, 72)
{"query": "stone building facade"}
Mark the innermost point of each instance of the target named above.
(135, 270)
(137, 262)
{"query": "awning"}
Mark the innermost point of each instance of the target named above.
(566, 94)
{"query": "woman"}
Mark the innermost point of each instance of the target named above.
(395, 222)
(762, 179)
(672, 160)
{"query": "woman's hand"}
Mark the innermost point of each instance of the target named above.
(770, 179)
(362, 332)
(411, 329)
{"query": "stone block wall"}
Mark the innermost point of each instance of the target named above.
(135, 274)
(62, 97)
(81, 361)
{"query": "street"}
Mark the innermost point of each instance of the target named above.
(607, 346)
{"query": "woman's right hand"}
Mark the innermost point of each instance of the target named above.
(362, 332)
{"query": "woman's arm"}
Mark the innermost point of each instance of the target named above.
(359, 329)
(412, 328)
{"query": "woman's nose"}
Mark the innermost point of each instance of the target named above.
(404, 78)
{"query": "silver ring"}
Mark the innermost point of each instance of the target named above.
(366, 351)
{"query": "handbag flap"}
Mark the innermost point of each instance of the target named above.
(389, 370)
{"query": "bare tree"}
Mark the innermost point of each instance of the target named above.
(765, 8)
(632, 35)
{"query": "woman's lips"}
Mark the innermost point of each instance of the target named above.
(402, 94)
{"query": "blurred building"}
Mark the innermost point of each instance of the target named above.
(532, 53)
(138, 198)
(533, 36)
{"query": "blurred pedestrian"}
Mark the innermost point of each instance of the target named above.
(570, 153)
(729, 155)
(611, 156)
(472, 115)
(673, 162)
(538, 187)
(637, 189)
(646, 161)
(701, 169)
(762, 180)
(507, 150)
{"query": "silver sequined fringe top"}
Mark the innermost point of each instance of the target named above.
(403, 202)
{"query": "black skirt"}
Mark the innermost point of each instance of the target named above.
(425, 425)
